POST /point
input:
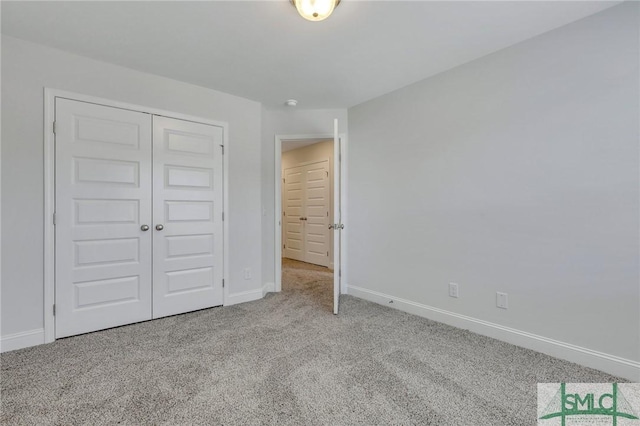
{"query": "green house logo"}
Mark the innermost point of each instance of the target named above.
(589, 403)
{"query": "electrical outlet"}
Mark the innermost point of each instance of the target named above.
(453, 290)
(502, 300)
(247, 273)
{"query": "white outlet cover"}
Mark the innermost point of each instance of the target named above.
(502, 300)
(453, 290)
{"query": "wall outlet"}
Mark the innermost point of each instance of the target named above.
(247, 273)
(453, 290)
(502, 300)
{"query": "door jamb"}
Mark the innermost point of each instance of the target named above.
(278, 139)
(50, 96)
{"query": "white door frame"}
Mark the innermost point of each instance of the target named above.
(50, 96)
(277, 178)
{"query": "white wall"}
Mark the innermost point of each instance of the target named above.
(26, 69)
(286, 122)
(517, 172)
(319, 151)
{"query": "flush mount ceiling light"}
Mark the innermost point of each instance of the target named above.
(315, 10)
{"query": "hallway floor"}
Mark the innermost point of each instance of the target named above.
(311, 282)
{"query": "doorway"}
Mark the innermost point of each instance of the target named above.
(307, 212)
(310, 212)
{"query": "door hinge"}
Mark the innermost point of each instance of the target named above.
(327, 254)
(54, 309)
(223, 283)
(285, 246)
(339, 272)
(54, 219)
(327, 214)
(327, 173)
(283, 180)
(223, 216)
(284, 213)
(222, 146)
(54, 127)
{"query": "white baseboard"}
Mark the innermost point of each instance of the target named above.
(611, 364)
(244, 296)
(268, 288)
(24, 339)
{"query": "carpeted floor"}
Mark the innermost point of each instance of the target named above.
(284, 360)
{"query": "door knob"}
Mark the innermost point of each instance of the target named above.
(330, 226)
(145, 227)
(159, 227)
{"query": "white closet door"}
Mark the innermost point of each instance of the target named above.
(187, 228)
(316, 214)
(293, 213)
(103, 198)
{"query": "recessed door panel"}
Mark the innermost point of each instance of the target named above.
(103, 195)
(104, 293)
(103, 212)
(106, 252)
(187, 228)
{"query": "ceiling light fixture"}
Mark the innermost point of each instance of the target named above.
(315, 10)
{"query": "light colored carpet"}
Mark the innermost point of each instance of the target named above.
(284, 360)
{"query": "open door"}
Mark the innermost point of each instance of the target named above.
(337, 217)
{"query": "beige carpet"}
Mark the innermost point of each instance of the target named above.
(284, 360)
(310, 282)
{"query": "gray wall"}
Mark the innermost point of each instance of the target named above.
(26, 69)
(517, 172)
(286, 122)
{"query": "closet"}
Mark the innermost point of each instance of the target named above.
(306, 213)
(138, 216)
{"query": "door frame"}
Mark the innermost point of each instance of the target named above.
(50, 96)
(277, 179)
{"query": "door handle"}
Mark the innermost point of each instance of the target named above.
(159, 227)
(303, 218)
(336, 226)
(145, 227)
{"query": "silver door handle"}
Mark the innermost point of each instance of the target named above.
(159, 227)
(330, 226)
(145, 227)
(336, 226)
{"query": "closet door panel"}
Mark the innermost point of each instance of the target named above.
(316, 201)
(103, 199)
(188, 228)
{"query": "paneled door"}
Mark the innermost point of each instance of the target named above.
(293, 214)
(187, 228)
(316, 216)
(306, 213)
(102, 218)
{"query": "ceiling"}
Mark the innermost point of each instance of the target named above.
(262, 50)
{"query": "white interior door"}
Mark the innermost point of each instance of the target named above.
(188, 215)
(337, 217)
(316, 213)
(103, 203)
(293, 213)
